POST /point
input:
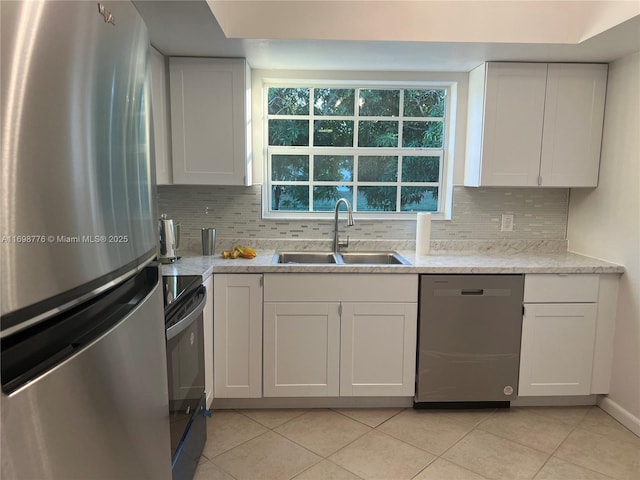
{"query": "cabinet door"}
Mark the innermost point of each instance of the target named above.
(157, 68)
(378, 349)
(556, 355)
(207, 315)
(513, 116)
(573, 117)
(210, 121)
(237, 335)
(301, 349)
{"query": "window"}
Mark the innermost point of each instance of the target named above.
(380, 147)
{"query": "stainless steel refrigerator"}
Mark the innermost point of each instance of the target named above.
(82, 343)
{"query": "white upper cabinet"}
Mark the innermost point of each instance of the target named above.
(210, 121)
(505, 124)
(535, 124)
(157, 68)
(572, 131)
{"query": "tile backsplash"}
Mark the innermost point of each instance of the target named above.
(235, 212)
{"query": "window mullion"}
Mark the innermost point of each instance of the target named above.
(398, 183)
(399, 192)
(356, 182)
(312, 100)
(356, 118)
(400, 117)
(400, 143)
(311, 181)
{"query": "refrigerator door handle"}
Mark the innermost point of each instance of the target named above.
(29, 355)
(183, 324)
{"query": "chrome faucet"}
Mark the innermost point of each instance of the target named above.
(336, 241)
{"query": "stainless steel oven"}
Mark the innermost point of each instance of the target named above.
(185, 297)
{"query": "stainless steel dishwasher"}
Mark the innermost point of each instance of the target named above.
(469, 340)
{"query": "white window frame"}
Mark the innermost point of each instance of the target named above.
(445, 183)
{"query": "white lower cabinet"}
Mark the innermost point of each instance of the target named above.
(207, 315)
(378, 349)
(557, 349)
(237, 334)
(567, 334)
(301, 349)
(340, 335)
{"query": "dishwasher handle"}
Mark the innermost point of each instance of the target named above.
(478, 291)
(472, 292)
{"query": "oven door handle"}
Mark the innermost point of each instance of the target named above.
(183, 324)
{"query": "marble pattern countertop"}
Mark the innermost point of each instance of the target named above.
(440, 262)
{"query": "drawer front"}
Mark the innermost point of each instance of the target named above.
(340, 287)
(561, 288)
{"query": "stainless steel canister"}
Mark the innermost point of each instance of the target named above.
(169, 234)
(208, 241)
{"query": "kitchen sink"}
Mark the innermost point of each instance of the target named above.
(304, 257)
(347, 258)
(374, 258)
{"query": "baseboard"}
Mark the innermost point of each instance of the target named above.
(552, 401)
(313, 402)
(625, 417)
(459, 405)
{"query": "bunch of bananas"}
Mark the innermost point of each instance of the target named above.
(239, 252)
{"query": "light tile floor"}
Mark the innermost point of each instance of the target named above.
(541, 443)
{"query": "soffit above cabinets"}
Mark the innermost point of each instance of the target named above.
(478, 21)
(393, 35)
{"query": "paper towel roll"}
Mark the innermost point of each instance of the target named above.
(423, 233)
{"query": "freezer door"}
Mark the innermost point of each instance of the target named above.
(101, 413)
(77, 195)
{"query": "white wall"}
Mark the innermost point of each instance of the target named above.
(605, 223)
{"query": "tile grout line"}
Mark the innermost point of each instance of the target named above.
(306, 448)
(475, 427)
(528, 446)
(323, 457)
(262, 434)
(408, 444)
(623, 440)
(574, 427)
(272, 430)
(437, 456)
(402, 409)
(242, 443)
(549, 455)
(277, 426)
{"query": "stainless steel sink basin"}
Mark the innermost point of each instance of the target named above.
(374, 258)
(348, 258)
(304, 257)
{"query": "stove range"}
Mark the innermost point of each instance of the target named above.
(184, 300)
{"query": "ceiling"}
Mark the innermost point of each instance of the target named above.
(591, 31)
